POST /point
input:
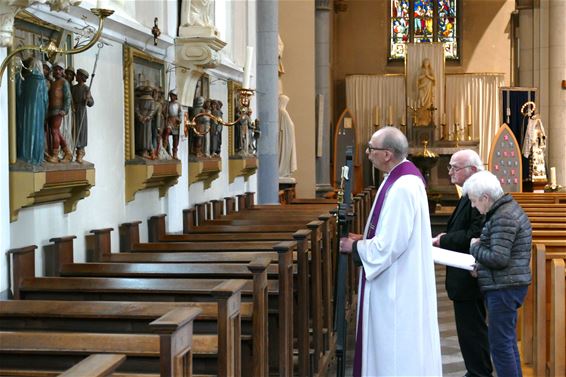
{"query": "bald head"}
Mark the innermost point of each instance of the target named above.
(394, 140)
(470, 158)
(463, 164)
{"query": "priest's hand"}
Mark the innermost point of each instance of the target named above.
(355, 236)
(436, 240)
(346, 245)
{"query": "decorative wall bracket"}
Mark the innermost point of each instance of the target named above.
(142, 174)
(32, 185)
(192, 56)
(205, 170)
(242, 167)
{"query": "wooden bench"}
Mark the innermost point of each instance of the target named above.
(168, 351)
(226, 295)
(96, 365)
(117, 317)
(320, 267)
(224, 267)
(557, 326)
(535, 312)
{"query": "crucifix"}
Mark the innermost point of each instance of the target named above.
(432, 109)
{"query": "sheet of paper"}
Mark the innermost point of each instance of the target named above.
(453, 259)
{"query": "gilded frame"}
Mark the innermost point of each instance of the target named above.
(233, 88)
(137, 63)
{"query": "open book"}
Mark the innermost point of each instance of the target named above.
(453, 259)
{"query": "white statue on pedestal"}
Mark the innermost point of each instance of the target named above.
(196, 18)
(287, 147)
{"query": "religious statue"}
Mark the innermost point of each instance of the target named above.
(145, 110)
(425, 88)
(196, 135)
(32, 103)
(534, 146)
(59, 105)
(287, 147)
(67, 127)
(81, 99)
(215, 128)
(173, 125)
(241, 145)
(196, 12)
(158, 124)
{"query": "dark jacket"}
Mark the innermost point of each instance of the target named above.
(504, 250)
(464, 224)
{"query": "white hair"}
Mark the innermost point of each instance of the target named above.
(483, 182)
(470, 158)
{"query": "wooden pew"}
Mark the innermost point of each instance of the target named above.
(320, 270)
(225, 293)
(557, 346)
(171, 347)
(97, 365)
(279, 256)
(537, 301)
(112, 317)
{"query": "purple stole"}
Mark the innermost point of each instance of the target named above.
(404, 168)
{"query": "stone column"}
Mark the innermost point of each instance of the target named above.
(267, 101)
(323, 33)
(556, 94)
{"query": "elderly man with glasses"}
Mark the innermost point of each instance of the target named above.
(464, 224)
(397, 332)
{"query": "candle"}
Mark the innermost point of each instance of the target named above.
(553, 177)
(376, 115)
(390, 116)
(469, 114)
(456, 120)
(443, 119)
(403, 120)
(248, 67)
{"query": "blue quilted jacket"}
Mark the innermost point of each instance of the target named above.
(504, 251)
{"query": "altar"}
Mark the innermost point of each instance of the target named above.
(449, 111)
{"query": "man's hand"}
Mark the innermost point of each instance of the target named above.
(346, 245)
(355, 236)
(436, 240)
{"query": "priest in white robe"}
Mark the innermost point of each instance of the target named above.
(397, 330)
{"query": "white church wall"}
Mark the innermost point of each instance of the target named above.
(5, 238)
(106, 205)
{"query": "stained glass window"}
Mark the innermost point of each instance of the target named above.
(422, 21)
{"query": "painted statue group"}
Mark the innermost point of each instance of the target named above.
(47, 100)
(158, 125)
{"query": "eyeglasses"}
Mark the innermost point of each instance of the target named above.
(456, 169)
(370, 148)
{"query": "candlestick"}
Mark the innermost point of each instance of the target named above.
(390, 116)
(456, 117)
(248, 67)
(376, 115)
(469, 114)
